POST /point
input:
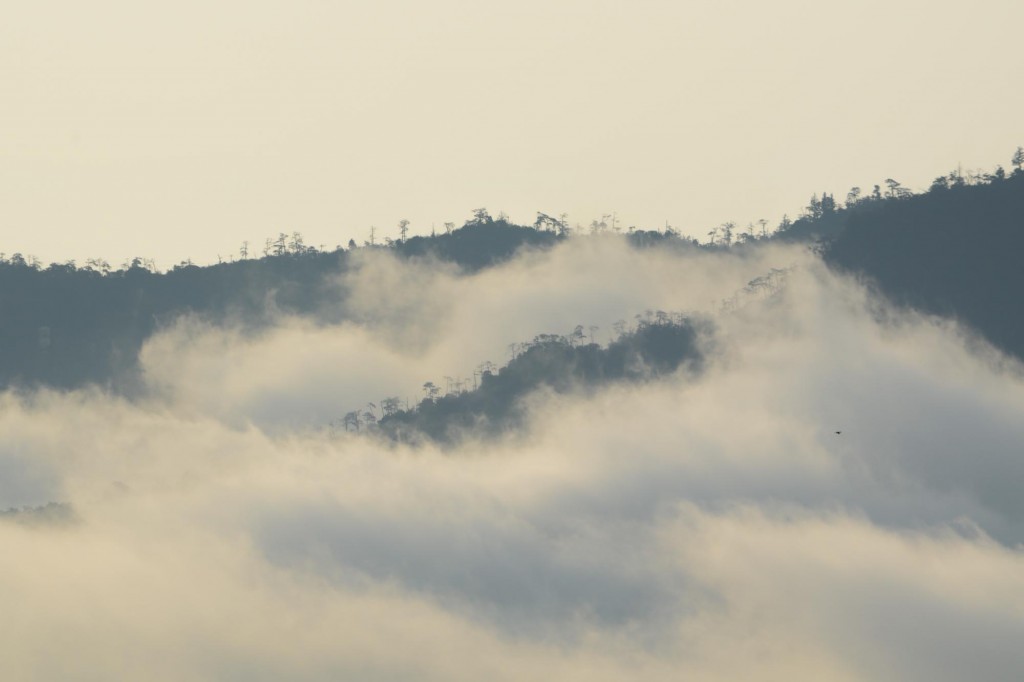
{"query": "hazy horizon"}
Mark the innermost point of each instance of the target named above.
(182, 131)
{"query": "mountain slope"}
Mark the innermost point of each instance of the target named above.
(956, 252)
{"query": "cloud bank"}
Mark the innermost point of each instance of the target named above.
(710, 527)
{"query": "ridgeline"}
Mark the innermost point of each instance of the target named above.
(656, 347)
(954, 250)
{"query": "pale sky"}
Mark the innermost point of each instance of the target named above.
(176, 130)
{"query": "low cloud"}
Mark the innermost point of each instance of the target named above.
(711, 527)
(412, 322)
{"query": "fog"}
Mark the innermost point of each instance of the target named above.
(709, 525)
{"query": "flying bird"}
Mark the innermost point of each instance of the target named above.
(838, 432)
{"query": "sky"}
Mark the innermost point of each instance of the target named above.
(706, 525)
(181, 130)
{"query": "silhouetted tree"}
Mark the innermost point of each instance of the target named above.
(727, 229)
(390, 406)
(546, 222)
(563, 224)
(576, 337)
(281, 244)
(895, 189)
(813, 208)
(430, 391)
(351, 419)
(828, 204)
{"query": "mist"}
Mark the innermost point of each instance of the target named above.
(834, 496)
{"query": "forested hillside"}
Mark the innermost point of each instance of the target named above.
(954, 250)
(957, 251)
(657, 346)
(65, 325)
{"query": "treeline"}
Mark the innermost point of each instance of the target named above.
(955, 251)
(65, 325)
(825, 218)
(657, 345)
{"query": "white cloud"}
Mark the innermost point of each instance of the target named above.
(710, 527)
